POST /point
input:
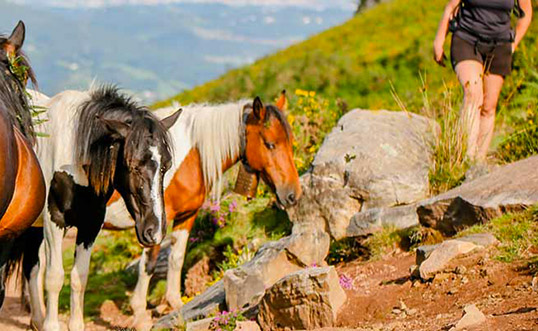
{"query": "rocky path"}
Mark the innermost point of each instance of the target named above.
(383, 297)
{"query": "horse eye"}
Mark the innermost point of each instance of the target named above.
(270, 145)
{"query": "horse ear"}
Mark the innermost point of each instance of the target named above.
(115, 127)
(282, 102)
(17, 36)
(171, 120)
(259, 108)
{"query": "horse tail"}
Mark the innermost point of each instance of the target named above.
(22, 255)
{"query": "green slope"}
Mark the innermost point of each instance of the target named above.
(356, 61)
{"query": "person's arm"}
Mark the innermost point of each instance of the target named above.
(442, 31)
(523, 23)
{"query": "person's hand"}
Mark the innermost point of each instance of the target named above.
(439, 53)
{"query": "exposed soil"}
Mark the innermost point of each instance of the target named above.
(501, 291)
(384, 297)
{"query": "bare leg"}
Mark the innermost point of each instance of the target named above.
(470, 75)
(54, 275)
(492, 89)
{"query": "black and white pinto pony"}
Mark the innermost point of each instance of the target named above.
(98, 141)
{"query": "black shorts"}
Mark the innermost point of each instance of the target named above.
(496, 58)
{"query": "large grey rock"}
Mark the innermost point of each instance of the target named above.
(371, 159)
(373, 220)
(211, 301)
(305, 300)
(509, 188)
(441, 256)
(480, 239)
(245, 286)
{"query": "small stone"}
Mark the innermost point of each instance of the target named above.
(534, 284)
(483, 272)
(464, 280)
(247, 326)
(396, 311)
(460, 270)
(472, 317)
(490, 283)
(412, 311)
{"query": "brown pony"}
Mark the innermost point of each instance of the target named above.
(208, 140)
(22, 188)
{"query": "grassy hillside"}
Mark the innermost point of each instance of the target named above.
(355, 62)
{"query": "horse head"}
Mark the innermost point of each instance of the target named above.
(130, 150)
(268, 149)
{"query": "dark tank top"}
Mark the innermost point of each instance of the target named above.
(486, 20)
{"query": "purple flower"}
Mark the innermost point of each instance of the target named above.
(346, 282)
(233, 206)
(215, 207)
(314, 265)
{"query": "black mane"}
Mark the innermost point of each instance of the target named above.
(13, 98)
(97, 148)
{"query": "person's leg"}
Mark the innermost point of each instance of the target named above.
(492, 89)
(470, 75)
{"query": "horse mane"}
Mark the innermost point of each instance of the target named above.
(217, 132)
(13, 96)
(96, 148)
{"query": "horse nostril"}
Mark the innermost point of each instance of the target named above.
(291, 198)
(149, 233)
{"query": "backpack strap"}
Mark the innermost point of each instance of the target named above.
(517, 11)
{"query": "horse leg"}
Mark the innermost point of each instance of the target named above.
(180, 237)
(146, 266)
(86, 234)
(5, 250)
(54, 275)
(79, 278)
(33, 267)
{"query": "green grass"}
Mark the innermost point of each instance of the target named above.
(517, 233)
(363, 62)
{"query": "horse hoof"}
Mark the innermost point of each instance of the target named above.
(143, 323)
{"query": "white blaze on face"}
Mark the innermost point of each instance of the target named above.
(156, 195)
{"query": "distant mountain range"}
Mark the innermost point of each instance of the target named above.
(156, 51)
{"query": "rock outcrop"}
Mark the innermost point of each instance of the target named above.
(305, 300)
(509, 188)
(371, 159)
(432, 259)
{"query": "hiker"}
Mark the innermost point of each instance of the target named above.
(483, 42)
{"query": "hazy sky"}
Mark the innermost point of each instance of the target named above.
(103, 3)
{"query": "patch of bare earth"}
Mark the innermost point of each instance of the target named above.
(384, 297)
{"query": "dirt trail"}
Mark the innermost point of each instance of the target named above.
(501, 291)
(383, 297)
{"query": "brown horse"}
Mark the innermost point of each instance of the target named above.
(208, 140)
(22, 188)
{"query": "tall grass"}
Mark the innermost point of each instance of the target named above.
(449, 163)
